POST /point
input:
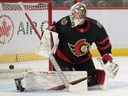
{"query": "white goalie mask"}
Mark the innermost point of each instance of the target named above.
(78, 13)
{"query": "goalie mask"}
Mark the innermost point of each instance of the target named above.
(78, 13)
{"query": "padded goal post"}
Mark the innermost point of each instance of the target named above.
(16, 30)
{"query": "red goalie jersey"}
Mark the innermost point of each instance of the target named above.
(75, 42)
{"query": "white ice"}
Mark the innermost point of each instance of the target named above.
(116, 87)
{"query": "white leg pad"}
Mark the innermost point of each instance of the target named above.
(80, 88)
(47, 81)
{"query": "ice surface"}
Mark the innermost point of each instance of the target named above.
(116, 87)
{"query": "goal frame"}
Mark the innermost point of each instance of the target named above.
(49, 11)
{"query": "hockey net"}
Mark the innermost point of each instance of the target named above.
(17, 19)
(17, 27)
(21, 21)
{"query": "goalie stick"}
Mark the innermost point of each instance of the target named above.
(61, 87)
(51, 57)
(59, 71)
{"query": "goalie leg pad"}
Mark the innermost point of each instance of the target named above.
(100, 76)
(101, 81)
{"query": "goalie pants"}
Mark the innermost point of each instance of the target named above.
(85, 66)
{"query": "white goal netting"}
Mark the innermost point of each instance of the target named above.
(21, 32)
(21, 27)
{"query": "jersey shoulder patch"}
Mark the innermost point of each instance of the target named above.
(64, 21)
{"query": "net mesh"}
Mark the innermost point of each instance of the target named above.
(39, 12)
(23, 34)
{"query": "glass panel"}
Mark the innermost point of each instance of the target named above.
(65, 4)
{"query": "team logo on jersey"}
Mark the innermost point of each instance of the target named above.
(64, 21)
(80, 48)
(6, 29)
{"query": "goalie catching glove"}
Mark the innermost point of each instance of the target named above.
(110, 67)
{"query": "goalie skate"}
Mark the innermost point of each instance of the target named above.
(18, 84)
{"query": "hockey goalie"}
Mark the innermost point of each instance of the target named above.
(76, 33)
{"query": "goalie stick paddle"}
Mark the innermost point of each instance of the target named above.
(61, 87)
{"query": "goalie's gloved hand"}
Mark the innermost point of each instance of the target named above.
(52, 27)
(109, 66)
(111, 69)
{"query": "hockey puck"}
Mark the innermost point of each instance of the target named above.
(11, 67)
